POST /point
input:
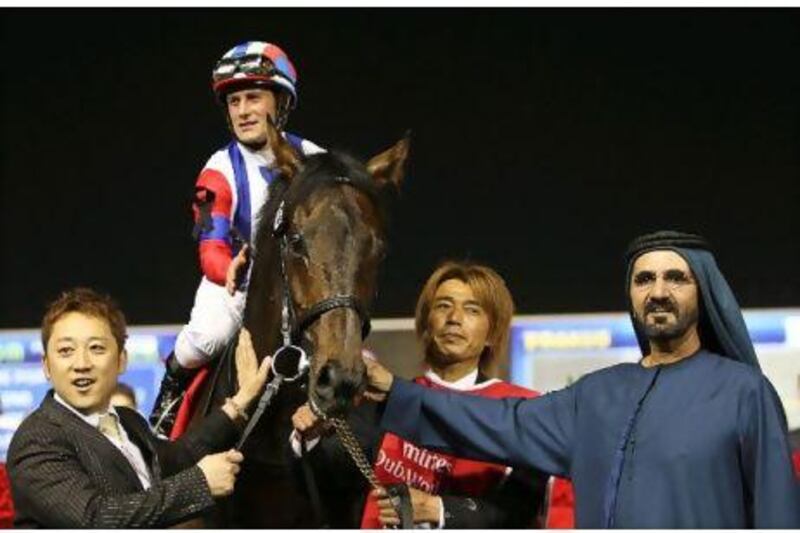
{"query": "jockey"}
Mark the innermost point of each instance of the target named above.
(251, 81)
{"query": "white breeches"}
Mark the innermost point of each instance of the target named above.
(215, 319)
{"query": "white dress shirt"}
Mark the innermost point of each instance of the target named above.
(128, 449)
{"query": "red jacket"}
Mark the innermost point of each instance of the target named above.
(401, 461)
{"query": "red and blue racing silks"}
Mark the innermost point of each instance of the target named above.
(231, 197)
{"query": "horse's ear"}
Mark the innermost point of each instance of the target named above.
(286, 159)
(389, 166)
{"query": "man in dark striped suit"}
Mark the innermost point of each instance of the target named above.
(78, 462)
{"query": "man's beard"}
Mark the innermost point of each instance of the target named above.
(658, 332)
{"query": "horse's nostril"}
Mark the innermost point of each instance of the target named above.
(334, 383)
(327, 376)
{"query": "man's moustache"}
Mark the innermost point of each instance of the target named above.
(659, 307)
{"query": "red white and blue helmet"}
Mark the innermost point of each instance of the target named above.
(255, 64)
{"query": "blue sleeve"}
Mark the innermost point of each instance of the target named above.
(766, 460)
(534, 433)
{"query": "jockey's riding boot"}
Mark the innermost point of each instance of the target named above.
(169, 398)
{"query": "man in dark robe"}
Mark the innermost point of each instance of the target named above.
(693, 435)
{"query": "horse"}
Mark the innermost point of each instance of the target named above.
(320, 241)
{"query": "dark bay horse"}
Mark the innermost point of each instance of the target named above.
(320, 242)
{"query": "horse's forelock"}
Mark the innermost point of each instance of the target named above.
(318, 170)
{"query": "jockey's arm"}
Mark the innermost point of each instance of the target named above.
(215, 243)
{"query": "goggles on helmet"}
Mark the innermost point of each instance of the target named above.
(247, 66)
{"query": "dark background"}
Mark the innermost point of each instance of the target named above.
(544, 140)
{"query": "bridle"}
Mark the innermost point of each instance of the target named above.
(292, 329)
(292, 333)
(292, 326)
(290, 361)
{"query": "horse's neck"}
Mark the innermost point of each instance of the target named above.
(262, 314)
(264, 325)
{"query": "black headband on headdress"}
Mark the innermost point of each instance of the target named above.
(722, 327)
(665, 239)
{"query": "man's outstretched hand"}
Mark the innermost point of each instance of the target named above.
(379, 380)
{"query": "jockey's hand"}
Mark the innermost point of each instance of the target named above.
(309, 425)
(427, 507)
(250, 374)
(379, 380)
(235, 268)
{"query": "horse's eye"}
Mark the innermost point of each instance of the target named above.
(297, 244)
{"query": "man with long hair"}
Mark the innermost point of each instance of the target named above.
(462, 321)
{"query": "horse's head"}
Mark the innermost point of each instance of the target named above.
(326, 221)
